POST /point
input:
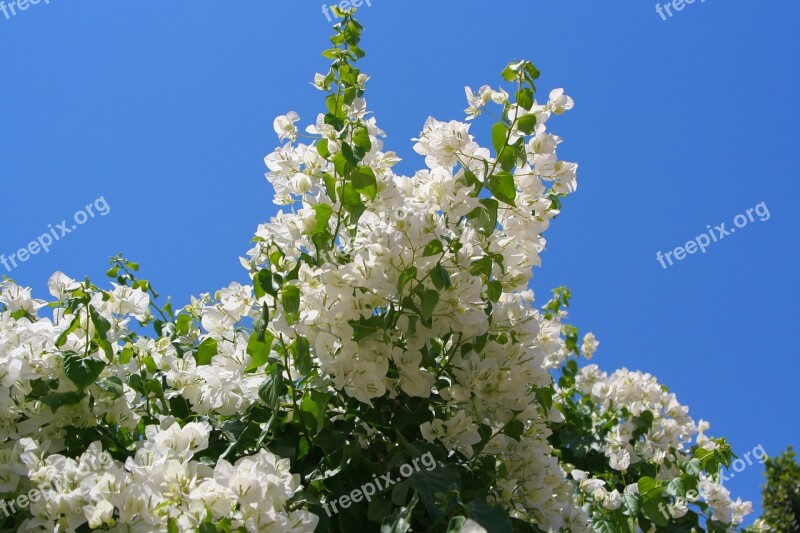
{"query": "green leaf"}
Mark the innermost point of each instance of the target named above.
(643, 423)
(330, 186)
(656, 511)
(691, 468)
(334, 106)
(472, 179)
(331, 53)
(435, 247)
(494, 290)
(112, 385)
(342, 166)
(499, 136)
(405, 276)
(484, 217)
(323, 215)
(60, 399)
(508, 73)
(605, 524)
(364, 327)
(258, 350)
(351, 200)
(527, 124)
(336, 122)
(150, 364)
(322, 149)
(493, 517)
(631, 503)
(206, 351)
(331, 441)
(531, 72)
(290, 300)
(650, 489)
(502, 186)
(440, 277)
(183, 324)
(102, 327)
(350, 155)
(544, 396)
(361, 139)
(302, 359)
(73, 326)
(525, 98)
(430, 299)
(349, 95)
(273, 388)
(365, 183)
(20, 313)
(126, 355)
(262, 283)
(676, 487)
(507, 159)
(316, 404)
(514, 429)
(437, 481)
(82, 371)
(482, 266)
(276, 256)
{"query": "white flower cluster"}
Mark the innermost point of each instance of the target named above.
(30, 358)
(490, 385)
(391, 237)
(671, 429)
(719, 499)
(665, 442)
(162, 484)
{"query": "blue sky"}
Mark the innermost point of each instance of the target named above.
(165, 110)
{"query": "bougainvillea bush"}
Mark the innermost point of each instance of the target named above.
(385, 370)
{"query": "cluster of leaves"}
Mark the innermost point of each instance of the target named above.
(781, 494)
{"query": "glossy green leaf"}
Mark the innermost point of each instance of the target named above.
(206, 351)
(430, 299)
(499, 136)
(82, 371)
(365, 183)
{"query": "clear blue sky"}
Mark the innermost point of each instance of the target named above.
(165, 109)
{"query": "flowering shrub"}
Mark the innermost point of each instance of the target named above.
(389, 319)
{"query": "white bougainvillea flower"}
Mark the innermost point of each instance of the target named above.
(284, 126)
(559, 102)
